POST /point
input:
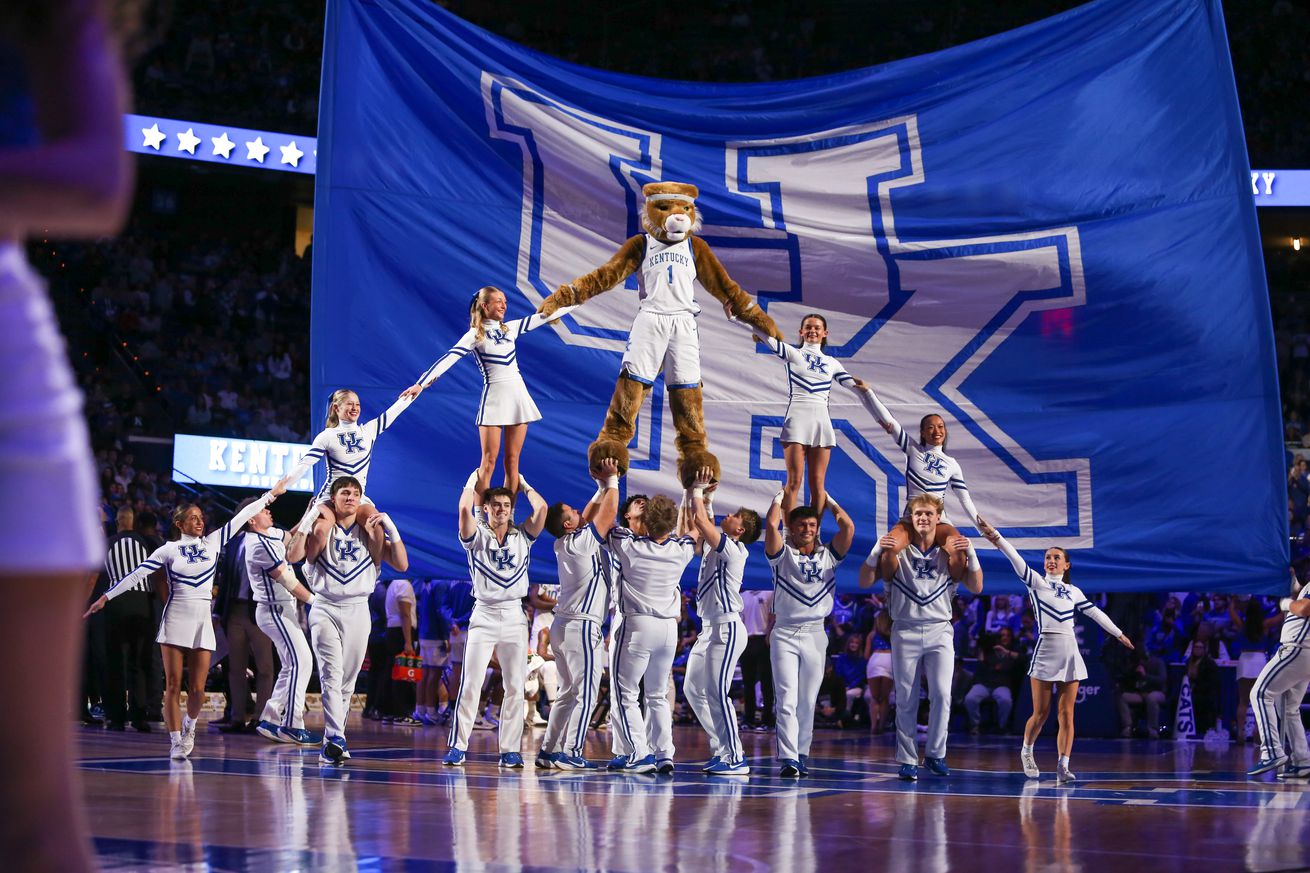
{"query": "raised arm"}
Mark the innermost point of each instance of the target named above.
(842, 377)
(625, 262)
(303, 466)
(964, 566)
(219, 538)
(468, 501)
(441, 365)
(520, 326)
(884, 417)
(841, 542)
(702, 518)
(1026, 574)
(295, 545)
(773, 541)
(537, 521)
(604, 505)
(379, 425)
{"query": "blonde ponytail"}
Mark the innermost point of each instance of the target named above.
(476, 317)
(337, 396)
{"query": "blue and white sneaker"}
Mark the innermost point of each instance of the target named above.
(1295, 773)
(546, 760)
(937, 766)
(664, 766)
(790, 769)
(727, 768)
(300, 737)
(513, 760)
(573, 762)
(711, 764)
(454, 758)
(270, 731)
(641, 765)
(617, 763)
(908, 773)
(1264, 765)
(804, 764)
(334, 750)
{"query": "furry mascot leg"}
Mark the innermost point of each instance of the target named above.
(692, 442)
(620, 424)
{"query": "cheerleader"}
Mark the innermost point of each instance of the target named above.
(713, 659)
(1278, 691)
(506, 405)
(928, 470)
(342, 565)
(807, 434)
(186, 634)
(1056, 659)
(348, 447)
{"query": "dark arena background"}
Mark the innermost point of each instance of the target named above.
(319, 192)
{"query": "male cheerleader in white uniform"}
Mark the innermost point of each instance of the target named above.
(276, 591)
(342, 565)
(575, 635)
(804, 576)
(1056, 660)
(1277, 694)
(650, 601)
(498, 555)
(186, 633)
(630, 516)
(921, 583)
(714, 657)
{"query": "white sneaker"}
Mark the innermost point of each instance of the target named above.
(1063, 774)
(1029, 764)
(175, 751)
(188, 736)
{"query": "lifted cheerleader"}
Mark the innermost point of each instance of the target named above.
(506, 406)
(1056, 659)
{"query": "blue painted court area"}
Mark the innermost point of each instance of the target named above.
(244, 804)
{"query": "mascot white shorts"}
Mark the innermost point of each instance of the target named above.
(1056, 659)
(187, 624)
(809, 424)
(45, 455)
(505, 403)
(668, 343)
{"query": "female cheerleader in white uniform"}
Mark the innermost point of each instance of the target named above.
(1056, 658)
(807, 434)
(928, 470)
(348, 447)
(186, 634)
(505, 404)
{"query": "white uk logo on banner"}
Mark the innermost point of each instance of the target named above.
(913, 318)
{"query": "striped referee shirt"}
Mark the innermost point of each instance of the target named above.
(127, 551)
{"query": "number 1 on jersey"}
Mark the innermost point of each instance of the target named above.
(670, 274)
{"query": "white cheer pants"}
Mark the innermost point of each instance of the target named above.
(618, 745)
(502, 628)
(645, 653)
(339, 632)
(919, 650)
(710, 666)
(286, 706)
(579, 659)
(1289, 668)
(797, 653)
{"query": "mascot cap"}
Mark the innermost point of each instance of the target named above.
(670, 191)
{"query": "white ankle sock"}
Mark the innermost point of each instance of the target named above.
(1064, 762)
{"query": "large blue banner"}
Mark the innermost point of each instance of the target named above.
(1047, 236)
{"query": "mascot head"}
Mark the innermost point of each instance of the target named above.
(670, 214)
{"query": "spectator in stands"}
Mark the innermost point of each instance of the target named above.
(998, 672)
(1203, 678)
(1250, 645)
(1165, 639)
(878, 671)
(434, 648)
(1026, 640)
(1002, 614)
(850, 666)
(1141, 682)
(830, 710)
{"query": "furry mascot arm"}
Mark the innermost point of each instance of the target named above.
(626, 261)
(717, 281)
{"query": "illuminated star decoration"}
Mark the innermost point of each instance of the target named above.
(222, 145)
(256, 150)
(291, 155)
(187, 141)
(153, 136)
